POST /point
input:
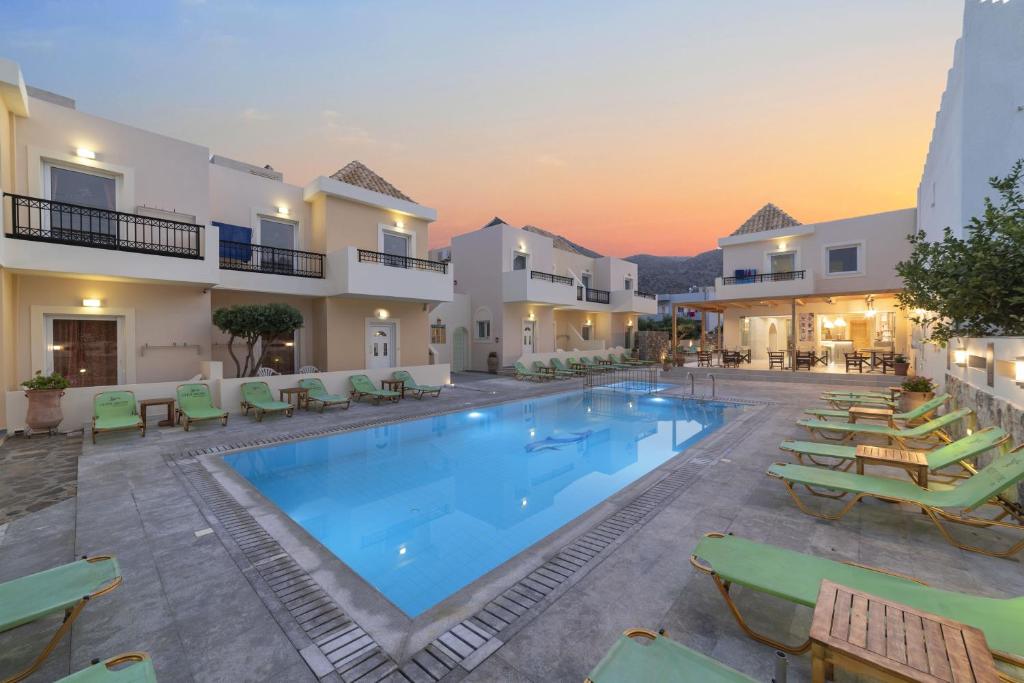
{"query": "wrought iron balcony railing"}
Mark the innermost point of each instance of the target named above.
(645, 295)
(548, 277)
(396, 261)
(256, 258)
(594, 296)
(43, 220)
(765, 277)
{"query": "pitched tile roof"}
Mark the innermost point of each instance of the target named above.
(768, 217)
(358, 174)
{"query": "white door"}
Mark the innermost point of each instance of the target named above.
(528, 329)
(380, 352)
(460, 349)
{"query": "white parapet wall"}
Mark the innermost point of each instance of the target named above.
(77, 403)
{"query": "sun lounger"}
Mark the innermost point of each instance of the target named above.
(932, 432)
(957, 452)
(614, 363)
(195, 405)
(67, 588)
(362, 386)
(921, 412)
(131, 667)
(523, 372)
(318, 394)
(594, 365)
(623, 358)
(552, 371)
(844, 402)
(257, 396)
(947, 504)
(557, 364)
(114, 411)
(796, 577)
(662, 660)
(418, 390)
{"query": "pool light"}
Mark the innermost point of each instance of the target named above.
(401, 550)
(523, 502)
(475, 415)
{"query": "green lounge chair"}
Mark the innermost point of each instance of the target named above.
(362, 386)
(67, 588)
(131, 667)
(523, 372)
(551, 370)
(318, 394)
(797, 577)
(951, 504)
(557, 364)
(844, 402)
(114, 411)
(623, 358)
(593, 365)
(195, 405)
(615, 364)
(410, 385)
(661, 660)
(932, 432)
(257, 396)
(922, 412)
(957, 452)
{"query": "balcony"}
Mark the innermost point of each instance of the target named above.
(534, 286)
(765, 277)
(255, 258)
(361, 272)
(765, 285)
(629, 301)
(591, 295)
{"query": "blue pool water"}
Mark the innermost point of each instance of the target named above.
(420, 509)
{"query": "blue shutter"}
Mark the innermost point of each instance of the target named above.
(240, 236)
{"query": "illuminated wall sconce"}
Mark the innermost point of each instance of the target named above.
(381, 314)
(1018, 371)
(289, 344)
(283, 210)
(85, 153)
(782, 246)
(629, 323)
(399, 224)
(532, 317)
(56, 347)
(839, 322)
(960, 357)
(92, 303)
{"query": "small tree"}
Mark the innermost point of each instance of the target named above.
(971, 287)
(251, 323)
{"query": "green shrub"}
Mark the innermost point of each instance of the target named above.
(41, 382)
(919, 385)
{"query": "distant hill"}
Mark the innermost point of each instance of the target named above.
(673, 274)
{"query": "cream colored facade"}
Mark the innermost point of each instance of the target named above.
(195, 232)
(525, 295)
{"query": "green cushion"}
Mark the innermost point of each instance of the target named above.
(195, 401)
(910, 433)
(318, 392)
(256, 392)
(109, 404)
(31, 597)
(134, 672)
(118, 422)
(523, 370)
(796, 577)
(203, 413)
(662, 660)
(830, 450)
(363, 385)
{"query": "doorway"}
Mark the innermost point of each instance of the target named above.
(460, 349)
(529, 327)
(859, 333)
(380, 352)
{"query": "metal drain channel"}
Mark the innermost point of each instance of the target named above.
(351, 651)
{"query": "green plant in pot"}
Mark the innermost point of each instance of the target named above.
(44, 393)
(900, 365)
(916, 390)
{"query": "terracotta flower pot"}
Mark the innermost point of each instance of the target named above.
(901, 369)
(43, 409)
(912, 399)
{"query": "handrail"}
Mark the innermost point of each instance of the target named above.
(274, 260)
(765, 277)
(712, 378)
(549, 277)
(398, 261)
(596, 296)
(44, 220)
(645, 295)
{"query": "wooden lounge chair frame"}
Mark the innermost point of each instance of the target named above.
(933, 437)
(260, 412)
(416, 389)
(378, 395)
(141, 426)
(343, 402)
(70, 615)
(180, 415)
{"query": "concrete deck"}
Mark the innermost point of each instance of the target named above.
(203, 609)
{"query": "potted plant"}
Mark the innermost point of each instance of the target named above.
(916, 390)
(900, 365)
(44, 393)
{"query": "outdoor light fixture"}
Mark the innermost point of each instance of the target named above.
(960, 356)
(629, 323)
(381, 313)
(289, 343)
(283, 210)
(399, 224)
(839, 322)
(92, 303)
(85, 153)
(1018, 371)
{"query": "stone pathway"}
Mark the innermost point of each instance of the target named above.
(36, 473)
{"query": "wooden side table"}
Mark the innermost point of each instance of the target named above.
(148, 402)
(914, 462)
(865, 634)
(871, 413)
(301, 395)
(393, 385)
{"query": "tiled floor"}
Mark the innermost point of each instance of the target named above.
(36, 473)
(189, 601)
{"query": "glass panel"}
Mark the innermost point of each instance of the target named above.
(519, 261)
(281, 356)
(281, 236)
(628, 286)
(85, 351)
(586, 332)
(84, 189)
(842, 260)
(397, 245)
(783, 263)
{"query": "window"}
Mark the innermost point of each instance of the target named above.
(782, 262)
(519, 259)
(587, 332)
(395, 243)
(483, 329)
(628, 285)
(438, 334)
(279, 235)
(843, 259)
(280, 355)
(84, 350)
(84, 189)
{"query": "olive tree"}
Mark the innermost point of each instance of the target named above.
(251, 323)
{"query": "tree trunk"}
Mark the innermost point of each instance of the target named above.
(231, 352)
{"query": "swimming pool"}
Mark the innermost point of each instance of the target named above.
(420, 509)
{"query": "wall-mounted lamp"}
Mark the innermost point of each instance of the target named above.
(782, 246)
(399, 224)
(283, 210)
(85, 153)
(381, 314)
(839, 322)
(56, 347)
(960, 357)
(629, 323)
(1018, 371)
(531, 315)
(92, 303)
(289, 344)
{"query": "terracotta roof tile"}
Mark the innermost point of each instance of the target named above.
(768, 217)
(358, 174)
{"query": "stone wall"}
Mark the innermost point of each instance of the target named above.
(991, 411)
(651, 344)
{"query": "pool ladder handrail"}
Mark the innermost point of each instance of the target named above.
(692, 390)
(712, 378)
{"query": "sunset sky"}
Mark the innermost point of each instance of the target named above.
(630, 127)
